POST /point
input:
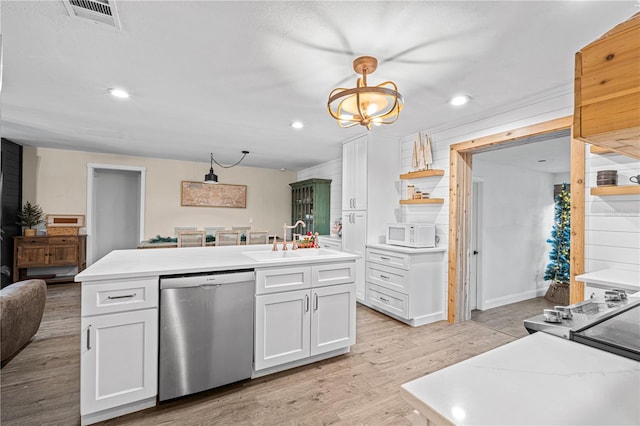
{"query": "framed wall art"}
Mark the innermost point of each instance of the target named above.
(200, 194)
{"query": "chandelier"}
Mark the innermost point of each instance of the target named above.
(211, 177)
(365, 105)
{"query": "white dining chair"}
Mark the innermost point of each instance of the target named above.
(192, 239)
(227, 238)
(258, 237)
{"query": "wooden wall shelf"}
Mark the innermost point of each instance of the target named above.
(422, 174)
(424, 201)
(616, 190)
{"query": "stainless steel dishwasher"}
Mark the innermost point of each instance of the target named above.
(206, 331)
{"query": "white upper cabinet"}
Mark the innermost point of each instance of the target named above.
(354, 174)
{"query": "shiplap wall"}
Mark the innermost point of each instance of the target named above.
(329, 170)
(612, 223)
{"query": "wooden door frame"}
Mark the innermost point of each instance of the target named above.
(460, 185)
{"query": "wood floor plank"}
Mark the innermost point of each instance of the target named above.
(41, 384)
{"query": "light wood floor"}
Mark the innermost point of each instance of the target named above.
(41, 384)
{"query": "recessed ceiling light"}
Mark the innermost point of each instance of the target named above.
(297, 124)
(459, 100)
(119, 93)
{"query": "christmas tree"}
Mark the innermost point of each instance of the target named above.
(558, 269)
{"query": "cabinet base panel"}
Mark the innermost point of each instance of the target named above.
(305, 361)
(414, 322)
(88, 419)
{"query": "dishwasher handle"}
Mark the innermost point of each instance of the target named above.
(207, 280)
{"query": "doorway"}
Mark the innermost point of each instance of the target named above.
(115, 209)
(460, 219)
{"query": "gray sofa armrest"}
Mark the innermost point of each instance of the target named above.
(21, 310)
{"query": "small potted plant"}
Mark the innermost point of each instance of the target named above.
(30, 216)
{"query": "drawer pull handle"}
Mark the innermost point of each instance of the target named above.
(124, 296)
(384, 300)
(384, 277)
(88, 338)
(384, 258)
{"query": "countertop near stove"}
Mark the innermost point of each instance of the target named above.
(539, 379)
(612, 278)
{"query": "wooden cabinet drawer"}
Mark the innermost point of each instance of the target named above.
(335, 273)
(105, 297)
(384, 257)
(63, 240)
(274, 280)
(26, 241)
(392, 278)
(388, 300)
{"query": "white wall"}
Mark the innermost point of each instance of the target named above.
(329, 170)
(57, 180)
(612, 223)
(517, 217)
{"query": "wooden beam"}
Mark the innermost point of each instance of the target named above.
(459, 234)
(512, 135)
(576, 264)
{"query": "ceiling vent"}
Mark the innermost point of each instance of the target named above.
(102, 11)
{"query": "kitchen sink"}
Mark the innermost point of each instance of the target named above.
(270, 256)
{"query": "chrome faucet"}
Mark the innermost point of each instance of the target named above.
(284, 234)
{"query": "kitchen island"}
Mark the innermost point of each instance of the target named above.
(539, 380)
(306, 295)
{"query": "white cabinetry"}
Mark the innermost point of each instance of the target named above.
(298, 324)
(406, 284)
(354, 240)
(119, 348)
(354, 174)
(330, 243)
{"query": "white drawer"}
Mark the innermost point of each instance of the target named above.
(332, 274)
(388, 277)
(275, 280)
(383, 257)
(105, 297)
(388, 300)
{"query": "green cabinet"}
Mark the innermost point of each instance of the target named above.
(310, 203)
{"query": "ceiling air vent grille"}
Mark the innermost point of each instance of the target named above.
(102, 11)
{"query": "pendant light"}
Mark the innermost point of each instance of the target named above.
(365, 105)
(211, 177)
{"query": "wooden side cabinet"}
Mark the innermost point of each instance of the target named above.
(48, 251)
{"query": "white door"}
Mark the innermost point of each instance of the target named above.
(119, 362)
(475, 302)
(354, 239)
(333, 320)
(354, 174)
(282, 328)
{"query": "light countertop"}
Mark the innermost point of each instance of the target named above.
(538, 380)
(612, 278)
(146, 263)
(402, 249)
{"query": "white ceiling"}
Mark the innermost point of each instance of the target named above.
(216, 76)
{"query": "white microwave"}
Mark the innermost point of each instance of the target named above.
(411, 234)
